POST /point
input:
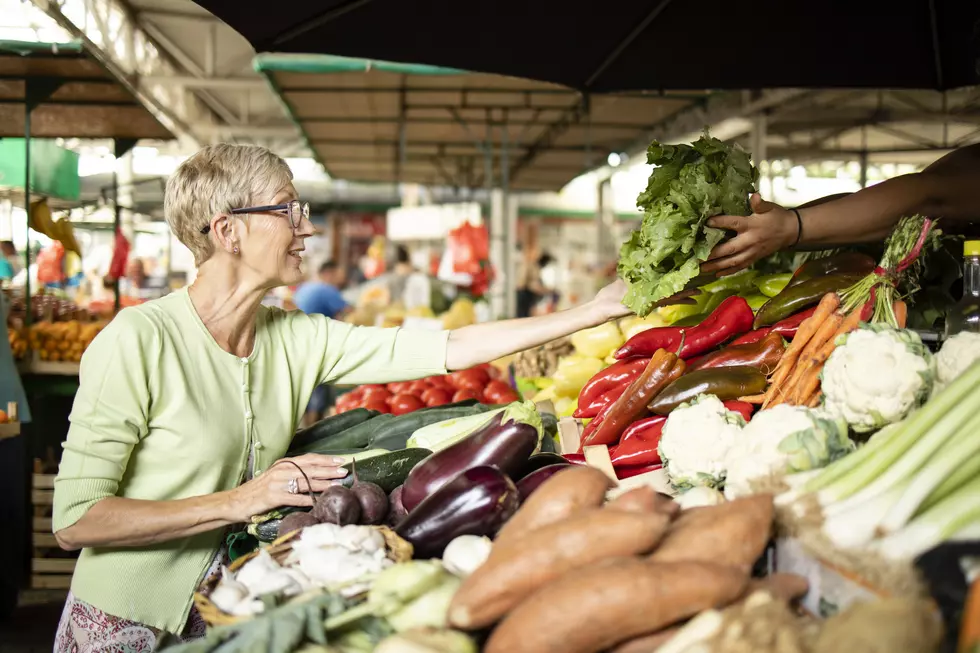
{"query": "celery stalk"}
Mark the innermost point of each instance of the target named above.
(843, 466)
(957, 513)
(964, 473)
(963, 447)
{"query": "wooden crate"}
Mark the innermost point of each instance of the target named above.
(51, 568)
(11, 427)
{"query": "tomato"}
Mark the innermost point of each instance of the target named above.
(378, 405)
(398, 387)
(405, 403)
(418, 387)
(375, 392)
(495, 388)
(492, 370)
(463, 395)
(436, 397)
(508, 397)
(471, 379)
(441, 381)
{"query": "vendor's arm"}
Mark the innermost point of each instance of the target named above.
(108, 420)
(947, 189)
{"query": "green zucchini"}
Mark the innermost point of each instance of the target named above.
(330, 426)
(549, 423)
(394, 434)
(267, 531)
(355, 437)
(387, 470)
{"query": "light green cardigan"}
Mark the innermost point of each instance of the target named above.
(162, 413)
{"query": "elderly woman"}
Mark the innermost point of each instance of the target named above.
(187, 402)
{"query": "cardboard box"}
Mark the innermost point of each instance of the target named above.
(831, 589)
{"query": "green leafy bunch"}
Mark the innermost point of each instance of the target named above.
(688, 185)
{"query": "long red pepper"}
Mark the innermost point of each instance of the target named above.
(619, 374)
(593, 408)
(763, 355)
(733, 317)
(786, 328)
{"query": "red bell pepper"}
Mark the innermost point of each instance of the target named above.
(574, 458)
(647, 429)
(636, 452)
(619, 373)
(733, 317)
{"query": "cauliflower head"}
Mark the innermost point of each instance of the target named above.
(695, 440)
(876, 376)
(784, 439)
(955, 356)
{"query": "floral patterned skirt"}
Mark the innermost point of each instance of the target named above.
(86, 629)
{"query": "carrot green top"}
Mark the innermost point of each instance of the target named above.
(162, 413)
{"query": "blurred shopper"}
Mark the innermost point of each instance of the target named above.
(321, 296)
(187, 403)
(530, 289)
(407, 284)
(10, 261)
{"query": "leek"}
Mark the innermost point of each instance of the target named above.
(956, 516)
(885, 504)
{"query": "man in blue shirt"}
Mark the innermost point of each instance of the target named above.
(322, 295)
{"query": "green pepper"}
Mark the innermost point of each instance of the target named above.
(772, 284)
(797, 298)
(690, 320)
(716, 298)
(739, 282)
(726, 383)
(849, 263)
(756, 301)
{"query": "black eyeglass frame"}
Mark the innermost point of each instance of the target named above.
(295, 211)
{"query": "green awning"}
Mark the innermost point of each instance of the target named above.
(54, 170)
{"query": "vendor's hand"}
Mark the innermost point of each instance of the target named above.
(270, 489)
(608, 302)
(769, 229)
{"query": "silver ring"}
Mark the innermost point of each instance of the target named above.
(293, 486)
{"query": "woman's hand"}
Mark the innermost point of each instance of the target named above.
(769, 229)
(270, 489)
(608, 302)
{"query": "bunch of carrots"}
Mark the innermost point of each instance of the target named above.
(796, 379)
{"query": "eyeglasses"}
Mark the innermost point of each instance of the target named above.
(296, 211)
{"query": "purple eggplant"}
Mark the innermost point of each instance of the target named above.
(533, 481)
(506, 445)
(476, 502)
(539, 460)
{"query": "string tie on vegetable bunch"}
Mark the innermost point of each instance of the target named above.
(892, 275)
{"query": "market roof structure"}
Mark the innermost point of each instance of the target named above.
(73, 94)
(383, 122)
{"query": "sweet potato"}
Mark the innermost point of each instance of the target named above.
(733, 533)
(645, 499)
(605, 604)
(564, 494)
(647, 643)
(519, 567)
(783, 587)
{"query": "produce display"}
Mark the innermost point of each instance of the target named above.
(482, 383)
(774, 464)
(60, 330)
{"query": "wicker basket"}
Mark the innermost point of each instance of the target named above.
(398, 550)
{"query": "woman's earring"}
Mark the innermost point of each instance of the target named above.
(236, 250)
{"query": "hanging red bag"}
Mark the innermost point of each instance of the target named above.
(470, 247)
(120, 255)
(50, 264)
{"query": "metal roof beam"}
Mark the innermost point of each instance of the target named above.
(208, 82)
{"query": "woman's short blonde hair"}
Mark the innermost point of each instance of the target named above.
(217, 179)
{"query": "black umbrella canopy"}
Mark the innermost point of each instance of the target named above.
(650, 45)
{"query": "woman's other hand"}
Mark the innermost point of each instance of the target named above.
(270, 489)
(769, 229)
